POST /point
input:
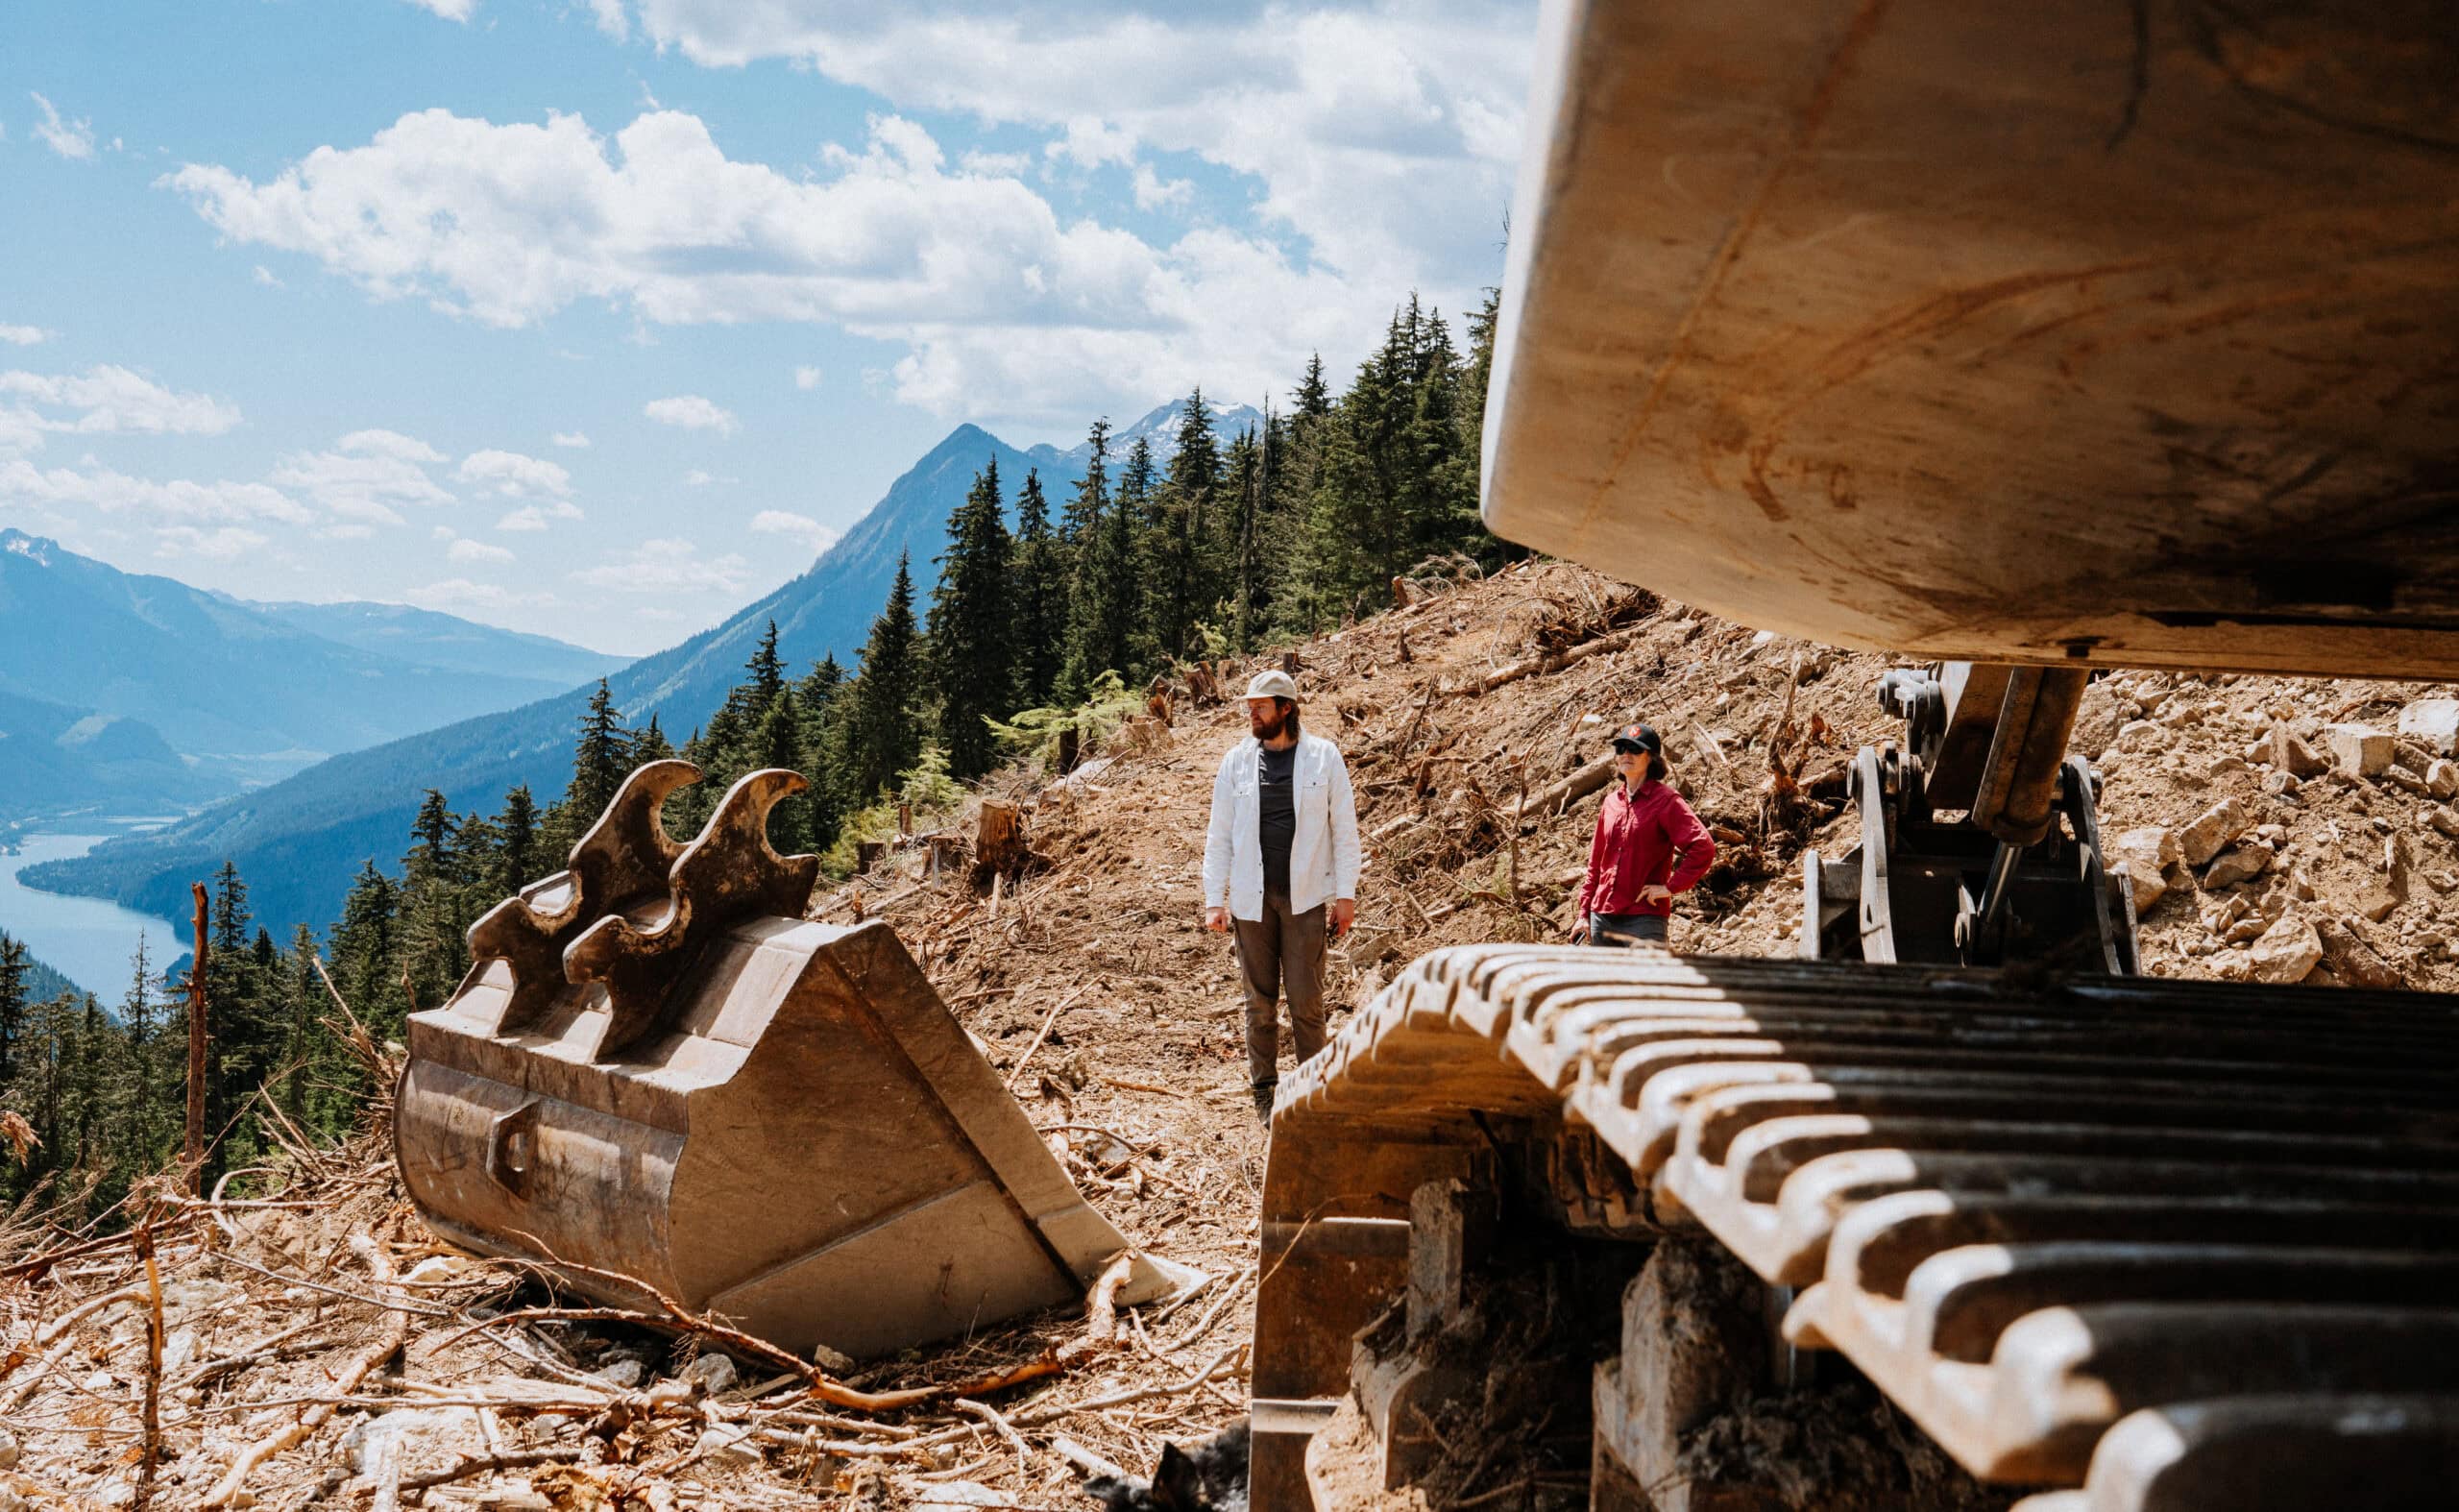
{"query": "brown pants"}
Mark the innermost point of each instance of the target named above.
(1280, 950)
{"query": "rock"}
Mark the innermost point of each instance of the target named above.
(2406, 781)
(2286, 951)
(2280, 784)
(432, 1434)
(9, 1453)
(2223, 766)
(2239, 864)
(2098, 718)
(2410, 755)
(2137, 735)
(713, 1373)
(2443, 881)
(2358, 749)
(2432, 722)
(2290, 754)
(624, 1375)
(2443, 820)
(2232, 965)
(2215, 827)
(2353, 960)
(2442, 778)
(834, 1362)
(2219, 916)
(726, 1446)
(2146, 853)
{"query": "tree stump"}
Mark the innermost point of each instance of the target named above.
(868, 853)
(946, 852)
(999, 841)
(1070, 748)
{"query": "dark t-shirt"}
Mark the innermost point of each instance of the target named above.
(1277, 814)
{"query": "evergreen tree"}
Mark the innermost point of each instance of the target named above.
(651, 743)
(519, 861)
(1246, 487)
(12, 1006)
(1096, 631)
(432, 835)
(1186, 556)
(883, 737)
(973, 628)
(1040, 595)
(601, 757)
(1140, 587)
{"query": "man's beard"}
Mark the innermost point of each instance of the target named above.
(1269, 727)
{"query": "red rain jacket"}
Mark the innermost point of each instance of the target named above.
(1637, 838)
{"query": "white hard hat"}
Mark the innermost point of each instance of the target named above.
(1272, 684)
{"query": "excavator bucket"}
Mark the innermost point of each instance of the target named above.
(660, 1080)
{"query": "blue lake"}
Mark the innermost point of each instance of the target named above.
(87, 939)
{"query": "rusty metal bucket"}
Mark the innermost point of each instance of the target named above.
(657, 1068)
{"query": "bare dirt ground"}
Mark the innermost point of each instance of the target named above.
(321, 1348)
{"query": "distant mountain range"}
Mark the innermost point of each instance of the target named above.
(300, 842)
(120, 689)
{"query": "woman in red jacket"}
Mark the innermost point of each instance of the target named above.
(1648, 846)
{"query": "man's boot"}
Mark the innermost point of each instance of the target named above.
(1264, 1091)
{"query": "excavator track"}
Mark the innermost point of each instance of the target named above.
(2174, 1244)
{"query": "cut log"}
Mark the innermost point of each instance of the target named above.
(1555, 661)
(1558, 797)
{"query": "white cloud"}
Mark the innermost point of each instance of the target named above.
(995, 164)
(612, 21)
(220, 543)
(89, 487)
(476, 551)
(460, 593)
(512, 475)
(369, 476)
(699, 478)
(24, 335)
(988, 289)
(534, 517)
(264, 276)
(668, 567)
(806, 378)
(1385, 133)
(113, 399)
(691, 412)
(73, 139)
(570, 438)
(391, 444)
(450, 10)
(802, 529)
(1153, 191)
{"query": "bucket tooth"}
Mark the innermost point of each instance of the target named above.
(790, 1129)
(625, 855)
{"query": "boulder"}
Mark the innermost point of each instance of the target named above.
(2353, 960)
(2239, 864)
(2146, 853)
(2137, 735)
(2286, 952)
(2432, 722)
(2443, 820)
(2290, 754)
(2358, 749)
(2442, 778)
(2280, 784)
(2213, 829)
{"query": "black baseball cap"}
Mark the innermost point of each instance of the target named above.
(1638, 738)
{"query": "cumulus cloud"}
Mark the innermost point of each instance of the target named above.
(691, 412)
(91, 487)
(71, 139)
(468, 550)
(1384, 131)
(105, 399)
(570, 438)
(368, 475)
(23, 335)
(990, 290)
(806, 378)
(1153, 191)
(801, 529)
(265, 278)
(666, 568)
(450, 10)
(511, 476)
(534, 517)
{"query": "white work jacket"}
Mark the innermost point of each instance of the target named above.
(1323, 853)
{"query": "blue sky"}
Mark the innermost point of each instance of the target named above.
(600, 317)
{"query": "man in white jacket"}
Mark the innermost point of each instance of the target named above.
(1281, 855)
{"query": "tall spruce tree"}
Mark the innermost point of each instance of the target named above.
(601, 756)
(973, 629)
(1141, 588)
(519, 859)
(1096, 630)
(1039, 598)
(1187, 553)
(883, 734)
(13, 1003)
